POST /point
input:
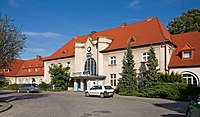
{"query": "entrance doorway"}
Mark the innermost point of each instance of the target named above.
(85, 84)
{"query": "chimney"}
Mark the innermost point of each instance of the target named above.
(92, 32)
(38, 58)
(76, 36)
(123, 24)
(149, 18)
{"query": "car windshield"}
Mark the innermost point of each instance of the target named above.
(108, 87)
(96, 87)
(26, 85)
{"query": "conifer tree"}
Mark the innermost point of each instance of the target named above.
(128, 82)
(152, 64)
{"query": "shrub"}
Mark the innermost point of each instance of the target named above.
(171, 78)
(3, 83)
(44, 86)
(13, 86)
(174, 91)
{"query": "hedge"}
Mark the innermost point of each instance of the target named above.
(173, 91)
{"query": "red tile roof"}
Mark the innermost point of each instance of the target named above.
(21, 68)
(144, 32)
(186, 41)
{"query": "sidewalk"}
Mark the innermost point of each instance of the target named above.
(5, 98)
(5, 106)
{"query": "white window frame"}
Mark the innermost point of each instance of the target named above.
(187, 54)
(68, 64)
(113, 60)
(36, 69)
(51, 66)
(113, 79)
(191, 77)
(6, 70)
(145, 56)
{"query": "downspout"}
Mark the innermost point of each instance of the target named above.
(97, 46)
(165, 58)
(97, 67)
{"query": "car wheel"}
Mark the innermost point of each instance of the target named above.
(101, 95)
(28, 91)
(87, 95)
(188, 113)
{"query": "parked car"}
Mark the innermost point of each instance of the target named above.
(28, 88)
(193, 109)
(100, 90)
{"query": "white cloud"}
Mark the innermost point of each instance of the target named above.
(134, 3)
(45, 34)
(35, 49)
(13, 3)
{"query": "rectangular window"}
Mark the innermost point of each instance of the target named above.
(51, 66)
(145, 57)
(112, 60)
(36, 69)
(187, 54)
(113, 80)
(68, 64)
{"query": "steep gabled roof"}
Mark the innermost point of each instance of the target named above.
(14, 68)
(31, 64)
(145, 32)
(20, 68)
(186, 41)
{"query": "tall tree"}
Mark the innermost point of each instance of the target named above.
(11, 41)
(142, 75)
(189, 21)
(152, 64)
(128, 82)
(59, 76)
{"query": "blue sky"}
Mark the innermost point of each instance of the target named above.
(49, 24)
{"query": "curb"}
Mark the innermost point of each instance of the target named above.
(5, 107)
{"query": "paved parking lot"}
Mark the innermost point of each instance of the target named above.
(72, 104)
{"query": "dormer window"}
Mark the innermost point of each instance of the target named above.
(187, 51)
(6, 70)
(187, 54)
(132, 39)
(36, 69)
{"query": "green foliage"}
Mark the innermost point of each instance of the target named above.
(59, 76)
(152, 64)
(173, 91)
(142, 75)
(3, 83)
(171, 78)
(44, 86)
(11, 41)
(189, 21)
(13, 86)
(128, 82)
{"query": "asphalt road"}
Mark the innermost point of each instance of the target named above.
(72, 104)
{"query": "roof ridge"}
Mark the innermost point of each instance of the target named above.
(161, 30)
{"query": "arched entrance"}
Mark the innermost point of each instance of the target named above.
(90, 67)
(190, 77)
